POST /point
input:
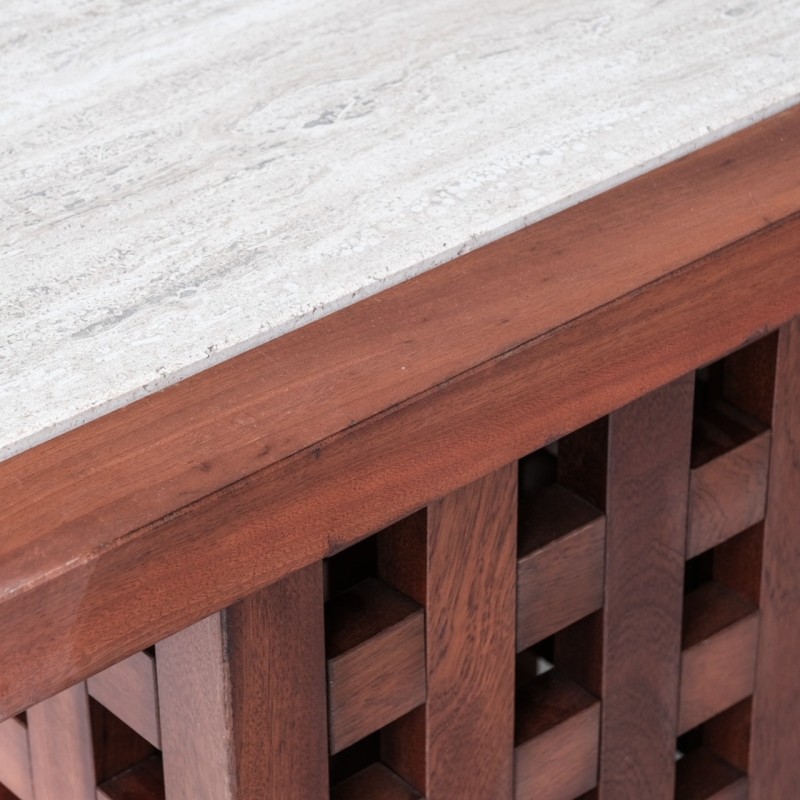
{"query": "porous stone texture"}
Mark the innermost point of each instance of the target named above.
(182, 180)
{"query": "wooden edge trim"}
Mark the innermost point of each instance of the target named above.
(255, 532)
(85, 491)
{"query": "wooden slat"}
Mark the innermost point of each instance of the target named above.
(376, 669)
(128, 690)
(398, 461)
(720, 636)
(60, 739)
(646, 509)
(243, 698)
(145, 781)
(701, 775)
(458, 560)
(376, 782)
(15, 765)
(560, 567)
(728, 494)
(557, 739)
(775, 740)
(470, 636)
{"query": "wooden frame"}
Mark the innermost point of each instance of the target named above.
(222, 491)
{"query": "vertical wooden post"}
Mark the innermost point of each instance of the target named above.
(459, 561)
(471, 639)
(60, 741)
(649, 443)
(775, 731)
(242, 698)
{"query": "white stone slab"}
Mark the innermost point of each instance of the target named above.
(181, 180)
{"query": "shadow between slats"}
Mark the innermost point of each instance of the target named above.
(557, 738)
(128, 689)
(376, 782)
(375, 641)
(720, 633)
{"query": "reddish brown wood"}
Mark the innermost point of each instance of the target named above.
(60, 739)
(376, 665)
(116, 747)
(720, 636)
(145, 781)
(15, 765)
(646, 509)
(728, 494)
(557, 739)
(775, 742)
(376, 782)
(471, 569)
(128, 690)
(243, 698)
(728, 735)
(561, 559)
(701, 775)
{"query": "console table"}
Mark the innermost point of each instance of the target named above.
(400, 401)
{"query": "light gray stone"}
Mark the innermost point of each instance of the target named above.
(183, 180)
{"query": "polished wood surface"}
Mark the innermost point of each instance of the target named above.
(647, 491)
(776, 702)
(470, 609)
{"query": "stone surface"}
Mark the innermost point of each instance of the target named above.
(182, 180)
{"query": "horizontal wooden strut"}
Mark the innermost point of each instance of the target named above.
(145, 521)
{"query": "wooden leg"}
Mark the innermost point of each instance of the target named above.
(242, 698)
(60, 740)
(775, 738)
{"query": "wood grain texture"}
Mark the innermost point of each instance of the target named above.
(243, 698)
(646, 509)
(195, 710)
(400, 460)
(557, 739)
(561, 557)
(15, 763)
(60, 740)
(377, 679)
(129, 691)
(775, 739)
(720, 637)
(728, 494)
(470, 640)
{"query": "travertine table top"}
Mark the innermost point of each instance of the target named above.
(183, 180)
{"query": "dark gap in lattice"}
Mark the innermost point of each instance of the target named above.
(561, 534)
(730, 445)
(127, 766)
(720, 629)
(712, 757)
(375, 645)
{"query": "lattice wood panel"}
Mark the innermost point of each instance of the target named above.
(599, 619)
